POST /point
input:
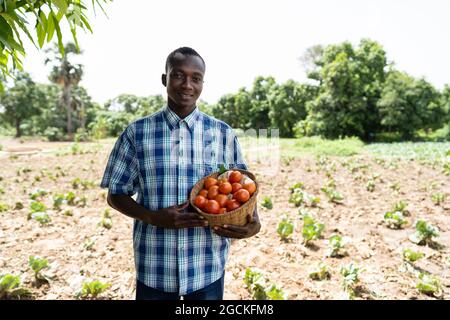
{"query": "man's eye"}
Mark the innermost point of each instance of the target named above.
(197, 80)
(177, 76)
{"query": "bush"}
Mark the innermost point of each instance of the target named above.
(53, 134)
(339, 147)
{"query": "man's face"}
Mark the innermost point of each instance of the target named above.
(184, 81)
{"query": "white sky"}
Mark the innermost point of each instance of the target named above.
(240, 40)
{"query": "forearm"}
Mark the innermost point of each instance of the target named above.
(129, 207)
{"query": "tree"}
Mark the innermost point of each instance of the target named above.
(312, 62)
(21, 101)
(46, 17)
(287, 104)
(407, 105)
(258, 115)
(67, 75)
(351, 83)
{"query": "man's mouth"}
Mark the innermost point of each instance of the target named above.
(185, 96)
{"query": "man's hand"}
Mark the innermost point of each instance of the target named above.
(176, 217)
(246, 231)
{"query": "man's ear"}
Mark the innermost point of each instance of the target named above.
(164, 79)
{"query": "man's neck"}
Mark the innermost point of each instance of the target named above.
(181, 112)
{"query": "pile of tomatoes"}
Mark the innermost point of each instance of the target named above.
(227, 193)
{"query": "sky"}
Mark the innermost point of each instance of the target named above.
(242, 39)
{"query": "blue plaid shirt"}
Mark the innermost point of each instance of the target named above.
(161, 157)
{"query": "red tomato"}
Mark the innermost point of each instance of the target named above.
(235, 176)
(225, 188)
(213, 192)
(232, 204)
(250, 187)
(222, 210)
(209, 182)
(203, 193)
(200, 201)
(221, 199)
(235, 187)
(241, 195)
(212, 207)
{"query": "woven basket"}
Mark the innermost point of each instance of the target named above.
(236, 217)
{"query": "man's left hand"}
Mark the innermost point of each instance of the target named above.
(240, 232)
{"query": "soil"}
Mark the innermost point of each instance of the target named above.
(374, 247)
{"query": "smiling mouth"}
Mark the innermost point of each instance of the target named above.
(185, 96)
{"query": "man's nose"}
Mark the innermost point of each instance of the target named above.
(187, 83)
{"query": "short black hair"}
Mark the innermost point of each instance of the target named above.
(185, 51)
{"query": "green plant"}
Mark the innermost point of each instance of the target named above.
(298, 185)
(58, 201)
(3, 207)
(38, 193)
(89, 244)
(41, 217)
(311, 228)
(10, 287)
(370, 186)
(285, 228)
(401, 206)
(424, 233)
(332, 194)
(255, 282)
(258, 287)
(429, 285)
(267, 203)
(350, 274)
(412, 256)
(322, 272)
(38, 264)
(106, 221)
(18, 206)
(336, 246)
(274, 292)
(92, 289)
(36, 206)
(437, 198)
(395, 220)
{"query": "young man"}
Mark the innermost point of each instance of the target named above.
(161, 157)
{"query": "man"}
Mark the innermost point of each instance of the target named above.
(161, 157)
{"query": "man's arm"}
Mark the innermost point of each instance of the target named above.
(172, 217)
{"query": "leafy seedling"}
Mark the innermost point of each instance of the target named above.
(285, 228)
(267, 203)
(92, 289)
(322, 272)
(395, 220)
(10, 287)
(429, 285)
(311, 229)
(336, 246)
(424, 233)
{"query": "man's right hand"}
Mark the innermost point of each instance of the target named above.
(176, 217)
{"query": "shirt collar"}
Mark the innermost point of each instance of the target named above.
(174, 120)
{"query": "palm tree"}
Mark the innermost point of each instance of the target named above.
(67, 75)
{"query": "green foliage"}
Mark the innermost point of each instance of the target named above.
(38, 264)
(267, 203)
(3, 207)
(411, 255)
(336, 246)
(350, 86)
(41, 217)
(429, 284)
(332, 194)
(395, 219)
(106, 221)
(407, 104)
(10, 287)
(92, 289)
(285, 228)
(45, 17)
(424, 233)
(437, 198)
(350, 278)
(258, 287)
(322, 272)
(312, 229)
(339, 147)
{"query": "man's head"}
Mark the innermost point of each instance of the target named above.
(185, 70)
